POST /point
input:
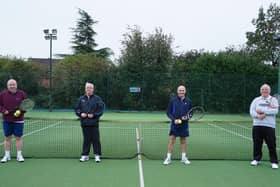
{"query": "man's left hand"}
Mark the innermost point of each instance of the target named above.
(259, 111)
(90, 115)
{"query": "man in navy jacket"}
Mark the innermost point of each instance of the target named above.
(177, 110)
(90, 108)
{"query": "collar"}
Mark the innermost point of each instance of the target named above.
(180, 98)
(267, 98)
(12, 93)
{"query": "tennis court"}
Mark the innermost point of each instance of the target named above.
(134, 146)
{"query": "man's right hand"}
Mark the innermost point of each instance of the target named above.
(261, 116)
(83, 115)
(6, 112)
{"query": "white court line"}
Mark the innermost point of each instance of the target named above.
(250, 129)
(140, 167)
(41, 129)
(234, 124)
(230, 132)
(234, 133)
(32, 132)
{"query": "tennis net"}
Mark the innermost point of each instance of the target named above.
(49, 138)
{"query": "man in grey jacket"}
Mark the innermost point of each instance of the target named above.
(263, 110)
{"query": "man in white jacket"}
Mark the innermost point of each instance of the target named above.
(263, 110)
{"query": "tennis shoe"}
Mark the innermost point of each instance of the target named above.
(20, 158)
(185, 160)
(5, 159)
(167, 161)
(255, 163)
(97, 159)
(274, 166)
(84, 158)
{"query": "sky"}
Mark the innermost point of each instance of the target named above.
(194, 24)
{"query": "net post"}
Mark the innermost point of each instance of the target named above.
(140, 166)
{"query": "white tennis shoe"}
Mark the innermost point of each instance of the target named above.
(20, 158)
(255, 163)
(274, 166)
(185, 160)
(84, 158)
(97, 158)
(5, 159)
(167, 161)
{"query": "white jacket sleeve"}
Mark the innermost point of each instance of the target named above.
(253, 112)
(274, 109)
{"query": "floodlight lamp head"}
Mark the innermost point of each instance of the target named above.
(47, 37)
(46, 31)
(54, 31)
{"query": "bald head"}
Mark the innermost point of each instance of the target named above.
(12, 85)
(181, 91)
(265, 90)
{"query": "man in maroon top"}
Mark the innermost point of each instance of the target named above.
(13, 119)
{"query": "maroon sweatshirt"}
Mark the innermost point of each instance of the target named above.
(11, 101)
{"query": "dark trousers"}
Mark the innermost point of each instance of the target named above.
(91, 137)
(267, 134)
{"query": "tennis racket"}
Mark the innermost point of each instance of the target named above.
(195, 113)
(25, 105)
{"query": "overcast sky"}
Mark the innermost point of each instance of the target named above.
(194, 24)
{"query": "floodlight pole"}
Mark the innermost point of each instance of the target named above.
(50, 76)
(50, 36)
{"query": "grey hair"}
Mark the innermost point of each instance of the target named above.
(89, 84)
(11, 80)
(266, 85)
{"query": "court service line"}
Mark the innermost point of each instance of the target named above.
(235, 124)
(140, 166)
(38, 130)
(250, 129)
(234, 133)
(230, 132)
(28, 123)
(41, 129)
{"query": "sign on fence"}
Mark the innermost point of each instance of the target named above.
(134, 89)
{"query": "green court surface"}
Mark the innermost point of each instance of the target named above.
(219, 147)
(209, 174)
(124, 173)
(69, 173)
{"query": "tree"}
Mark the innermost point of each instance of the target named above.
(25, 73)
(83, 38)
(261, 40)
(71, 74)
(145, 62)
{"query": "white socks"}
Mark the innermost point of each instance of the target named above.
(7, 154)
(19, 153)
(169, 155)
(183, 155)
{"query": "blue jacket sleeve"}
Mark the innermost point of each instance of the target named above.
(169, 111)
(99, 108)
(78, 108)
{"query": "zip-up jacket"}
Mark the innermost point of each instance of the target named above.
(90, 105)
(178, 108)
